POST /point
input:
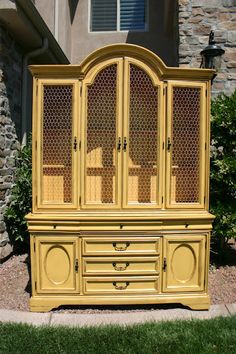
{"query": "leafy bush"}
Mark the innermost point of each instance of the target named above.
(21, 200)
(223, 167)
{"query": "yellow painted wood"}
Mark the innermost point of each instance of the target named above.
(121, 285)
(185, 263)
(133, 184)
(121, 265)
(50, 189)
(95, 158)
(120, 246)
(171, 180)
(128, 251)
(120, 50)
(46, 303)
(56, 258)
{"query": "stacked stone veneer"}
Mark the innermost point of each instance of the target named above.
(10, 120)
(196, 19)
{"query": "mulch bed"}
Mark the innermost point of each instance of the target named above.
(15, 285)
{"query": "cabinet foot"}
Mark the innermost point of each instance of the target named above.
(197, 306)
(40, 308)
(42, 305)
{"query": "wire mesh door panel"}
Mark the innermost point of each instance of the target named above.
(102, 154)
(57, 137)
(141, 141)
(186, 146)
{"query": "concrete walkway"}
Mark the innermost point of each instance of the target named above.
(116, 317)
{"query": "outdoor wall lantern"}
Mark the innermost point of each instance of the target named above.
(211, 55)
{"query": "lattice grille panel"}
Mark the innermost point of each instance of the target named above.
(101, 138)
(143, 139)
(185, 181)
(57, 143)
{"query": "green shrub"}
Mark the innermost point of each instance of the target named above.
(223, 167)
(21, 200)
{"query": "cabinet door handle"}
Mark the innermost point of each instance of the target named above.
(120, 287)
(120, 268)
(168, 144)
(75, 143)
(119, 144)
(76, 266)
(125, 143)
(121, 248)
(164, 265)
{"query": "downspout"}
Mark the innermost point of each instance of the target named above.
(56, 19)
(26, 57)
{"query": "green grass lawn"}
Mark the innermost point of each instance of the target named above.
(208, 336)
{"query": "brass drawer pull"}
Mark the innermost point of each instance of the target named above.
(120, 287)
(117, 248)
(120, 268)
(76, 266)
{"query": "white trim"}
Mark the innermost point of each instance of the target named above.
(56, 19)
(146, 27)
(118, 16)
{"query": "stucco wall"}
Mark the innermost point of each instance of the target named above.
(58, 21)
(160, 38)
(196, 19)
(46, 8)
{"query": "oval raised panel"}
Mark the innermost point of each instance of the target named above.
(183, 263)
(57, 265)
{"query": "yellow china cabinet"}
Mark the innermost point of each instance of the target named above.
(120, 182)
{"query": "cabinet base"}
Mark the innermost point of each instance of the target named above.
(47, 303)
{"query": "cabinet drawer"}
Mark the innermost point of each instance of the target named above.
(121, 285)
(121, 265)
(120, 246)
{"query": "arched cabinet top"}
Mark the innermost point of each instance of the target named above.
(118, 51)
(121, 51)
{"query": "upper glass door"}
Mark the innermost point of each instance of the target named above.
(56, 129)
(141, 140)
(102, 136)
(186, 154)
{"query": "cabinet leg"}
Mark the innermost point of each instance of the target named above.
(40, 308)
(201, 306)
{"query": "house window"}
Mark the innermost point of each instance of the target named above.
(118, 15)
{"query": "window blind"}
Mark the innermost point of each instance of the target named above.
(103, 15)
(132, 15)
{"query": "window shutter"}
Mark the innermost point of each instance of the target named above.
(132, 15)
(103, 15)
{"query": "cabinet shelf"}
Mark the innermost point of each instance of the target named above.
(54, 166)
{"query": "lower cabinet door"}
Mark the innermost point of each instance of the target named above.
(57, 262)
(184, 260)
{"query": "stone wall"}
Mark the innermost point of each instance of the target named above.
(10, 123)
(196, 19)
